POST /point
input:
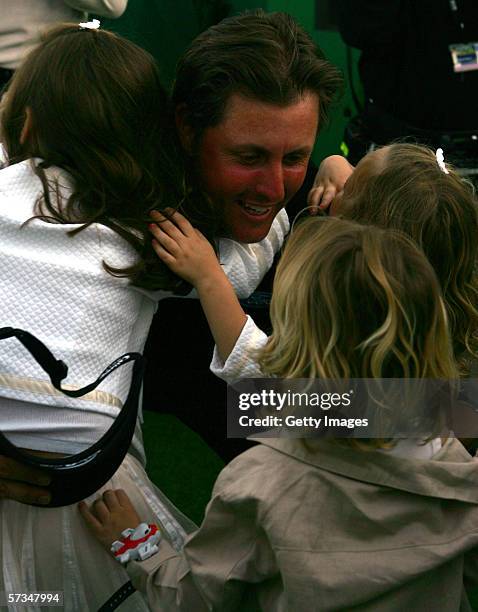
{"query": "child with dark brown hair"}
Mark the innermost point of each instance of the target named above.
(84, 130)
(89, 152)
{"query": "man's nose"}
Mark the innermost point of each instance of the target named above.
(270, 185)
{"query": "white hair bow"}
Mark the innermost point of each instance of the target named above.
(441, 161)
(90, 25)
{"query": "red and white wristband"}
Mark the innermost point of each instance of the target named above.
(137, 544)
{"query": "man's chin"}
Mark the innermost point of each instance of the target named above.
(250, 236)
(245, 227)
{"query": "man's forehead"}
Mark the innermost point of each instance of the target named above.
(248, 121)
(252, 148)
(239, 104)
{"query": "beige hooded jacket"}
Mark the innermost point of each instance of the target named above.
(295, 529)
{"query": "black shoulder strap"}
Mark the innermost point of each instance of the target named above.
(56, 369)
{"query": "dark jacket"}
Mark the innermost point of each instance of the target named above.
(406, 67)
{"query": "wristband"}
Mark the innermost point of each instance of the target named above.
(137, 544)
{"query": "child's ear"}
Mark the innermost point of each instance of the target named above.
(184, 129)
(27, 126)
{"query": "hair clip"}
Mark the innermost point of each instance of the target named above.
(441, 161)
(90, 25)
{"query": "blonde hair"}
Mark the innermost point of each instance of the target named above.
(351, 300)
(408, 191)
(355, 301)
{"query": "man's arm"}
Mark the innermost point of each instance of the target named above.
(23, 483)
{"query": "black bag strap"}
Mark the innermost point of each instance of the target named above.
(118, 597)
(57, 369)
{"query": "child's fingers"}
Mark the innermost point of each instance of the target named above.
(314, 198)
(315, 195)
(123, 500)
(162, 253)
(173, 220)
(111, 500)
(158, 216)
(165, 240)
(156, 230)
(100, 510)
(127, 509)
(162, 234)
(89, 518)
(169, 228)
(327, 197)
(181, 221)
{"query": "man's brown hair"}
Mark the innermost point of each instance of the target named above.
(263, 56)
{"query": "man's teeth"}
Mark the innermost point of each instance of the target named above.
(256, 210)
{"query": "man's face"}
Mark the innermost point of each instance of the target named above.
(255, 160)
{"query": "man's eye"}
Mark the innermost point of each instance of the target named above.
(296, 160)
(248, 160)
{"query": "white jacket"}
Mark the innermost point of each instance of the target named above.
(54, 285)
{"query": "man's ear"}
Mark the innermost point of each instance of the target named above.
(184, 129)
(27, 126)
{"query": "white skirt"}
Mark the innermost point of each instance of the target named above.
(51, 549)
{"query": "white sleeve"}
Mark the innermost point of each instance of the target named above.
(105, 8)
(241, 363)
(245, 265)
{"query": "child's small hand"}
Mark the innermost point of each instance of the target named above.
(109, 515)
(182, 247)
(329, 182)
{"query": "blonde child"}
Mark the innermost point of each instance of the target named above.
(323, 526)
(85, 125)
(411, 188)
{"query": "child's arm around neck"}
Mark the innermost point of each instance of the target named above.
(185, 250)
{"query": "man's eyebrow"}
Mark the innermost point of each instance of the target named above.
(246, 148)
(253, 148)
(300, 151)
